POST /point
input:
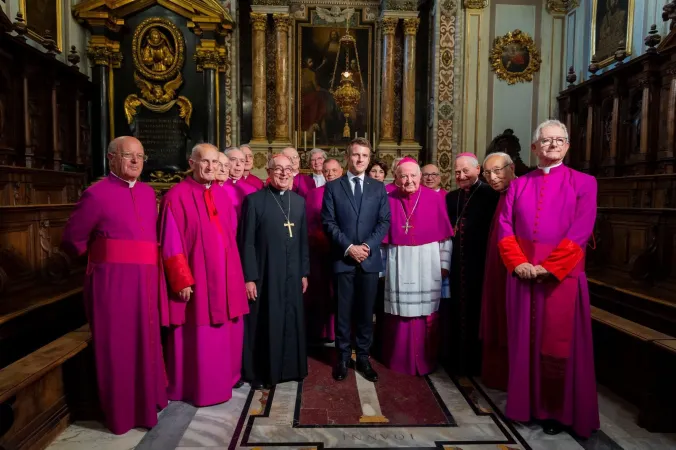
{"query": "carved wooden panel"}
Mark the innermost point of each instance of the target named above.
(21, 186)
(653, 191)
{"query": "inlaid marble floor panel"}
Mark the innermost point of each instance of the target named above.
(397, 412)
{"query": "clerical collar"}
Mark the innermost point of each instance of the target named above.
(275, 191)
(130, 183)
(549, 168)
(476, 184)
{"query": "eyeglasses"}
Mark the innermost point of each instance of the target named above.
(430, 175)
(550, 141)
(130, 156)
(280, 170)
(497, 171)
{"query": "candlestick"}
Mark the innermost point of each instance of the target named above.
(373, 142)
(314, 145)
(355, 135)
(305, 140)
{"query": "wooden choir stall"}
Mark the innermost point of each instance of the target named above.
(45, 366)
(623, 131)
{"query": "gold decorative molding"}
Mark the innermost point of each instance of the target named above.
(389, 24)
(475, 4)
(104, 52)
(259, 21)
(411, 26)
(515, 58)
(155, 56)
(562, 6)
(282, 22)
(202, 15)
(210, 55)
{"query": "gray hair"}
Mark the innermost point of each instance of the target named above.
(314, 151)
(398, 167)
(271, 161)
(196, 149)
(549, 123)
(505, 157)
(114, 144)
(230, 150)
(473, 159)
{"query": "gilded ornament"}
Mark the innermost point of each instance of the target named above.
(475, 4)
(561, 6)
(401, 5)
(161, 177)
(389, 24)
(158, 49)
(411, 26)
(210, 57)
(282, 22)
(515, 58)
(103, 52)
(259, 21)
(260, 160)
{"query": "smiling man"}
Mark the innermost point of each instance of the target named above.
(544, 227)
(274, 245)
(206, 298)
(470, 210)
(418, 259)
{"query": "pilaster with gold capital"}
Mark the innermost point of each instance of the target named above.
(388, 26)
(282, 24)
(104, 52)
(259, 23)
(408, 103)
(475, 4)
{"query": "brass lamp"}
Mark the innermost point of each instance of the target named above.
(347, 95)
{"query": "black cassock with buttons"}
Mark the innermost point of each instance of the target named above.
(471, 213)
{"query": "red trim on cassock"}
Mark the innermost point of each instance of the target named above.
(178, 273)
(563, 259)
(511, 253)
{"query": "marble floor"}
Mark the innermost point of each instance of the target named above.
(436, 411)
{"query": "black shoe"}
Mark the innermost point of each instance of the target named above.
(340, 371)
(551, 427)
(256, 385)
(239, 384)
(364, 367)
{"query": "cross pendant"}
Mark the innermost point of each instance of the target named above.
(289, 225)
(406, 227)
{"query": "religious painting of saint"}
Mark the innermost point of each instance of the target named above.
(612, 23)
(42, 16)
(514, 57)
(320, 60)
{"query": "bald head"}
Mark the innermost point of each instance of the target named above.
(204, 163)
(499, 171)
(126, 157)
(292, 154)
(332, 170)
(237, 163)
(431, 177)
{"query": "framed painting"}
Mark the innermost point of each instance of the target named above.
(43, 16)
(514, 57)
(320, 60)
(612, 23)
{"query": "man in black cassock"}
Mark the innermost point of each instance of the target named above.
(470, 209)
(273, 245)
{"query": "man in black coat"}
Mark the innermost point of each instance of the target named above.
(470, 209)
(356, 218)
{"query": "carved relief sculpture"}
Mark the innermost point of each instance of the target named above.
(514, 57)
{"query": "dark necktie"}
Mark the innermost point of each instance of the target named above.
(357, 192)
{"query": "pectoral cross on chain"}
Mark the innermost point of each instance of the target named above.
(289, 225)
(406, 227)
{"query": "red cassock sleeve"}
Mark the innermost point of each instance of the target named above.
(563, 259)
(511, 253)
(178, 272)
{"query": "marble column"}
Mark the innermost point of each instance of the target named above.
(103, 54)
(282, 23)
(259, 104)
(408, 103)
(388, 26)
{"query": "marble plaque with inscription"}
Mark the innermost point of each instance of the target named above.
(164, 139)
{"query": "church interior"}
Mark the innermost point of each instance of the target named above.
(425, 79)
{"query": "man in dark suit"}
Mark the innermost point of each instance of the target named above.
(356, 217)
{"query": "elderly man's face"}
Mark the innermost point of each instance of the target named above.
(292, 154)
(332, 170)
(205, 165)
(498, 173)
(552, 145)
(408, 175)
(127, 161)
(237, 162)
(223, 168)
(248, 158)
(466, 172)
(316, 162)
(377, 173)
(431, 176)
(281, 173)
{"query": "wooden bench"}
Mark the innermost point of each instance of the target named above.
(638, 363)
(41, 392)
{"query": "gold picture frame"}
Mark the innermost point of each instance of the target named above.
(514, 57)
(606, 28)
(43, 15)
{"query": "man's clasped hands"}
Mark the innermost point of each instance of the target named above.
(527, 271)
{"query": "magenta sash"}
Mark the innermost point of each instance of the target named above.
(123, 251)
